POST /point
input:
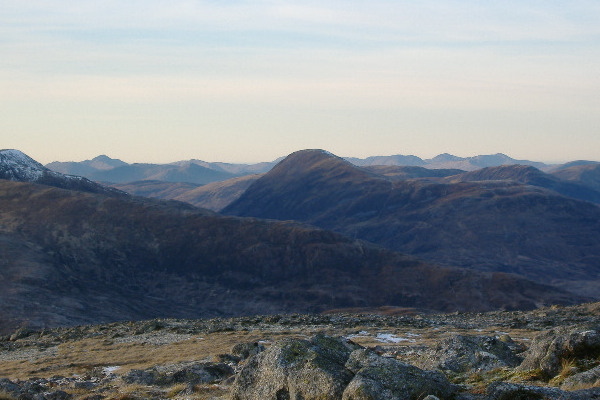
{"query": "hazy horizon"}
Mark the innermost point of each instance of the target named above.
(285, 155)
(245, 82)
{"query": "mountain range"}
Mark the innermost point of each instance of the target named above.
(106, 169)
(188, 175)
(73, 256)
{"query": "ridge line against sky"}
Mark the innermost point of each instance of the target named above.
(249, 81)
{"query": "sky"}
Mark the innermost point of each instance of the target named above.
(249, 81)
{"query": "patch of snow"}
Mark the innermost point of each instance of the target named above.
(111, 369)
(356, 335)
(19, 166)
(391, 338)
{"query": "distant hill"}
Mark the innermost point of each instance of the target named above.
(87, 167)
(213, 196)
(156, 189)
(532, 176)
(217, 195)
(235, 169)
(584, 174)
(446, 161)
(17, 166)
(106, 169)
(492, 225)
(408, 172)
(387, 160)
(76, 258)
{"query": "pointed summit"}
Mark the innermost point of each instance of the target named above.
(305, 183)
(104, 162)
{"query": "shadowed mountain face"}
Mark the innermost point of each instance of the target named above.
(488, 225)
(72, 257)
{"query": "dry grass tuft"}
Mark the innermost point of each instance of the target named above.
(4, 395)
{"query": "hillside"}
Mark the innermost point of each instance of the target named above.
(217, 195)
(410, 172)
(587, 174)
(532, 176)
(74, 257)
(155, 189)
(488, 225)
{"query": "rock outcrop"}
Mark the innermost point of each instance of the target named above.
(461, 353)
(191, 373)
(329, 368)
(381, 378)
(553, 350)
(292, 369)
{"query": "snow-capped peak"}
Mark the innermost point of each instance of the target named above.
(16, 165)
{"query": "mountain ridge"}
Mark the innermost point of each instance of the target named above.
(98, 168)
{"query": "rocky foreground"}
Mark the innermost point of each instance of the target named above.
(549, 353)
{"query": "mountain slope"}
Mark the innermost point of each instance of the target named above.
(588, 175)
(156, 189)
(217, 195)
(531, 176)
(489, 225)
(307, 186)
(72, 257)
(17, 166)
(398, 172)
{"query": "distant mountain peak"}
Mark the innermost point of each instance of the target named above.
(445, 157)
(102, 157)
(311, 159)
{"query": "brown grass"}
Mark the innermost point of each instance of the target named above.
(6, 396)
(82, 356)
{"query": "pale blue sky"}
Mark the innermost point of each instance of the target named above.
(246, 81)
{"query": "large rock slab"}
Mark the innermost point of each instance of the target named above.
(551, 349)
(512, 391)
(296, 369)
(325, 368)
(586, 379)
(191, 372)
(460, 353)
(381, 378)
